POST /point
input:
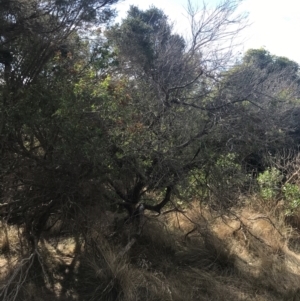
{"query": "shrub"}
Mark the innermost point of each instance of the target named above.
(291, 194)
(269, 183)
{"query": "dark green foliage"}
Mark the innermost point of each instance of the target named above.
(262, 59)
(47, 145)
(138, 119)
(157, 51)
(131, 118)
(269, 88)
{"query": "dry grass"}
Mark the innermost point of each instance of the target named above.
(195, 255)
(251, 246)
(10, 239)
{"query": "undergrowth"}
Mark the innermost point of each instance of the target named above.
(191, 255)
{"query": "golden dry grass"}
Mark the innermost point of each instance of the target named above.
(193, 255)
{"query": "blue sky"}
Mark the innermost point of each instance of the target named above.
(274, 23)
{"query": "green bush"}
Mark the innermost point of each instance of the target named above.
(268, 182)
(269, 185)
(291, 194)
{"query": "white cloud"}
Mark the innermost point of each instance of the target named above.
(274, 26)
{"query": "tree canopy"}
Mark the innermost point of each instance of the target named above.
(132, 114)
(132, 117)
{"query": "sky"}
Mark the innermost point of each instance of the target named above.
(274, 24)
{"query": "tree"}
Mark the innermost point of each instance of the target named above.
(131, 120)
(270, 86)
(187, 110)
(46, 142)
(168, 121)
